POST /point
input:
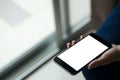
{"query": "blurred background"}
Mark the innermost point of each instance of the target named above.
(32, 32)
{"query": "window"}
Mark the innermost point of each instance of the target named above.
(23, 24)
(73, 15)
(30, 27)
(79, 12)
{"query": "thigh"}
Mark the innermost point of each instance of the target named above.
(110, 31)
(108, 72)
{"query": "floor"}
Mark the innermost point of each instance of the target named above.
(52, 71)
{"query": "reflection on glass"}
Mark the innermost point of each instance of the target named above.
(23, 23)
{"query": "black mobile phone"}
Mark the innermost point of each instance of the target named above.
(82, 53)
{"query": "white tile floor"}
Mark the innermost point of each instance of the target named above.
(51, 71)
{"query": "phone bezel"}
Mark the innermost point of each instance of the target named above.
(69, 68)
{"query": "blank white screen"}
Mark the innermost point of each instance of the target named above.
(82, 52)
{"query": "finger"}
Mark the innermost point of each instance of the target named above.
(98, 62)
(73, 42)
(104, 59)
(68, 45)
(81, 37)
(93, 64)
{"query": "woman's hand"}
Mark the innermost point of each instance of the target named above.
(108, 57)
(112, 55)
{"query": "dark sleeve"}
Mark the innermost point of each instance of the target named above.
(110, 29)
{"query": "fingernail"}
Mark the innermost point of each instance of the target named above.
(89, 68)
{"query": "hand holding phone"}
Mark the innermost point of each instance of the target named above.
(82, 53)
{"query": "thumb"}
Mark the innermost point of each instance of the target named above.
(102, 60)
(96, 63)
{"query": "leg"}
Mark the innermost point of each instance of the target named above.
(110, 31)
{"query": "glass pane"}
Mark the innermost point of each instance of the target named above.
(23, 23)
(79, 11)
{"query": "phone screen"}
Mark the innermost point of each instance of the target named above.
(83, 52)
